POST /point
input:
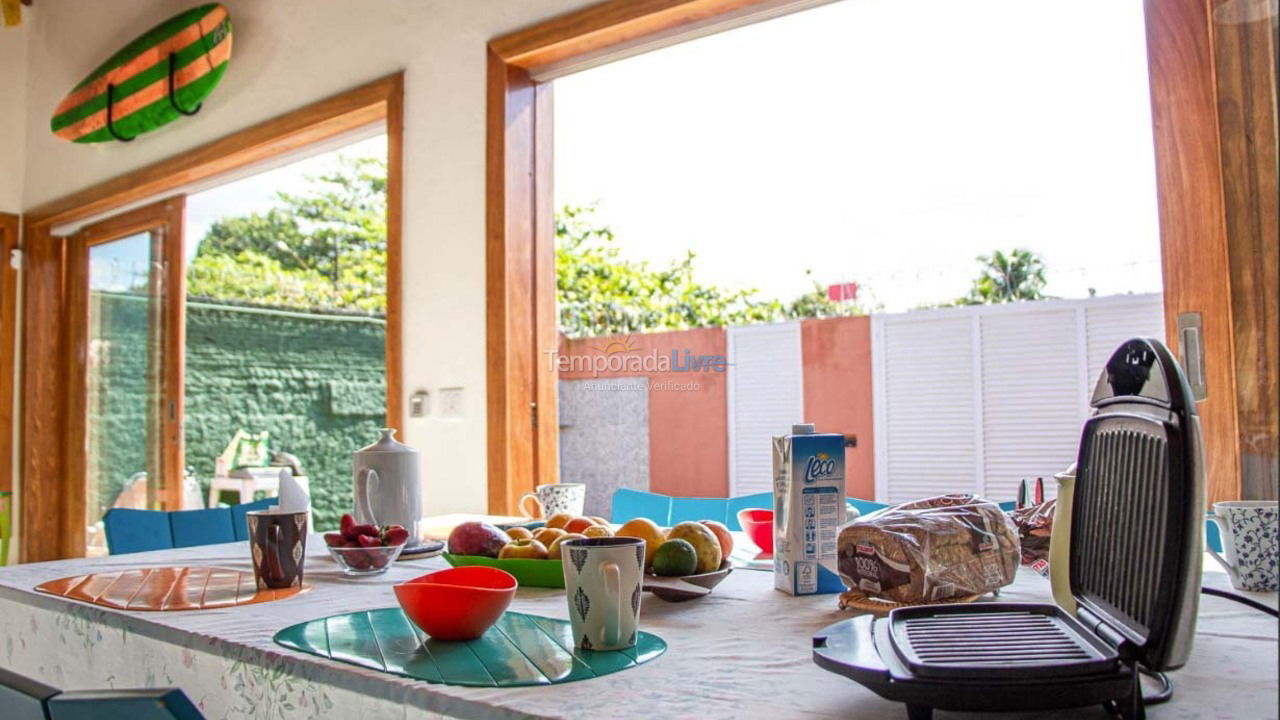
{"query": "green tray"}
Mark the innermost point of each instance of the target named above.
(529, 573)
(519, 650)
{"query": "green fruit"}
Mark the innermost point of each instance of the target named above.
(675, 557)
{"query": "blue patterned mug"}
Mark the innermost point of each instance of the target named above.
(1249, 542)
(602, 580)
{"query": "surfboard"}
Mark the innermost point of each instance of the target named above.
(199, 41)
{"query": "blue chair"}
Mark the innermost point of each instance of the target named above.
(131, 531)
(22, 698)
(666, 510)
(1212, 537)
(157, 704)
(238, 512)
(201, 527)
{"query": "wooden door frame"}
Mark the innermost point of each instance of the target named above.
(49, 532)
(167, 216)
(519, 249)
(9, 224)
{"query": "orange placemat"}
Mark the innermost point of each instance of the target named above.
(167, 588)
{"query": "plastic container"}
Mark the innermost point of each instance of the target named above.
(458, 603)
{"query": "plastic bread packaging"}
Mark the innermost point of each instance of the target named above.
(1035, 527)
(929, 550)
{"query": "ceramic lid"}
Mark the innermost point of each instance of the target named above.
(387, 444)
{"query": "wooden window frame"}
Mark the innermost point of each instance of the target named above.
(50, 530)
(9, 224)
(520, 298)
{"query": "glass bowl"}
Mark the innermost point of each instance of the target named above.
(365, 561)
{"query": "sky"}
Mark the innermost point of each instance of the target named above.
(878, 141)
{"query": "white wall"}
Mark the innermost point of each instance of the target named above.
(13, 112)
(289, 53)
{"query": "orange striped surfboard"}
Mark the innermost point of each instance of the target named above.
(199, 42)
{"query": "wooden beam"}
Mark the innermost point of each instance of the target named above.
(546, 335)
(1193, 234)
(609, 25)
(509, 283)
(1245, 63)
(395, 250)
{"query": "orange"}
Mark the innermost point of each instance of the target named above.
(547, 535)
(558, 520)
(648, 531)
(578, 524)
(723, 535)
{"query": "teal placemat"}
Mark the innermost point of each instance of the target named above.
(518, 650)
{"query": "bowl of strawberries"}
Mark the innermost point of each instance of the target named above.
(365, 549)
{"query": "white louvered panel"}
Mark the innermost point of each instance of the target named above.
(1030, 397)
(766, 397)
(927, 394)
(1114, 320)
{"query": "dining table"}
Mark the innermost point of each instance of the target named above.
(743, 651)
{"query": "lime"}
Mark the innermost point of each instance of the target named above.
(675, 557)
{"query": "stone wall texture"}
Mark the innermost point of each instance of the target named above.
(315, 382)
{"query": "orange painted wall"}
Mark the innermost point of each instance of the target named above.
(688, 429)
(837, 391)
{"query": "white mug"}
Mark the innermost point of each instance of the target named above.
(556, 498)
(1248, 531)
(602, 580)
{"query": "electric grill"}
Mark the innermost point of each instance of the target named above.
(1136, 530)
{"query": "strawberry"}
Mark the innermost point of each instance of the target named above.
(333, 539)
(395, 535)
(357, 559)
(378, 560)
(369, 541)
(347, 524)
(359, 530)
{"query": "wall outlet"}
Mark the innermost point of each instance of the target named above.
(450, 402)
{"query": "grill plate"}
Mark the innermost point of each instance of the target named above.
(999, 640)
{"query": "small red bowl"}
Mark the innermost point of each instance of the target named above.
(459, 603)
(757, 523)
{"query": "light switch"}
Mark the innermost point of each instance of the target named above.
(418, 404)
(451, 402)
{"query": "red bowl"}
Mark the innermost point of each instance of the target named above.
(757, 523)
(459, 603)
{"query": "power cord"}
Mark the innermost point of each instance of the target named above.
(1240, 599)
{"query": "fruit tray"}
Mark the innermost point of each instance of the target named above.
(527, 571)
(519, 650)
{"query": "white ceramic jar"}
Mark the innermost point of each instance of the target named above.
(386, 485)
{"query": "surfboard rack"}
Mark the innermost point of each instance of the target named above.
(173, 101)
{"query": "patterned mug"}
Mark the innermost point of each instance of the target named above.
(602, 580)
(1249, 542)
(556, 498)
(278, 541)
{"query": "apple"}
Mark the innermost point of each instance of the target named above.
(531, 549)
(597, 531)
(578, 524)
(723, 535)
(547, 535)
(553, 551)
(520, 533)
(477, 538)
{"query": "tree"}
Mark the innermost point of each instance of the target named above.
(601, 293)
(325, 247)
(1007, 278)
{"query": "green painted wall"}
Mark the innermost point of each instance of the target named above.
(315, 382)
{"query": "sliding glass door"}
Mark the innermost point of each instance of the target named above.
(126, 283)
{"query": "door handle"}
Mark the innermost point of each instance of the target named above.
(1191, 352)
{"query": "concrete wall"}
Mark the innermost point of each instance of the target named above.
(837, 392)
(315, 382)
(13, 113)
(292, 52)
(688, 429)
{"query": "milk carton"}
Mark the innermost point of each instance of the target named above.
(808, 510)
